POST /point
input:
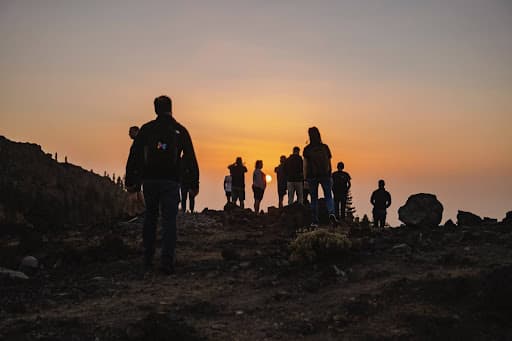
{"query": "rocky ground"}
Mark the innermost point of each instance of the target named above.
(235, 281)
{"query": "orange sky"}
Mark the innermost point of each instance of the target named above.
(416, 94)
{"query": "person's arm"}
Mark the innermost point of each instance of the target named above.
(388, 201)
(189, 156)
(372, 199)
(349, 183)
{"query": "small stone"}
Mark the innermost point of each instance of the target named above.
(239, 312)
(30, 262)
(245, 265)
(12, 274)
(217, 326)
(401, 248)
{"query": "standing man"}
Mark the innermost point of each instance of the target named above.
(340, 186)
(159, 150)
(381, 200)
(317, 171)
(237, 171)
(294, 168)
(281, 179)
(187, 190)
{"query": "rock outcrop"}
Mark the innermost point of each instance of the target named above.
(36, 190)
(468, 219)
(421, 210)
(508, 218)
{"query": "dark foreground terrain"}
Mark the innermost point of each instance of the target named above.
(235, 281)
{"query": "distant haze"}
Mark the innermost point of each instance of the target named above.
(414, 92)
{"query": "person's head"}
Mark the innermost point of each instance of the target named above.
(238, 160)
(314, 135)
(296, 150)
(133, 131)
(259, 164)
(163, 105)
(341, 165)
(282, 159)
(381, 183)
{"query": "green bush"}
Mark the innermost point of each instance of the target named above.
(319, 245)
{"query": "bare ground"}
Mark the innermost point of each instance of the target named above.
(234, 281)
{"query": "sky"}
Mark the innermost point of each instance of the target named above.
(417, 93)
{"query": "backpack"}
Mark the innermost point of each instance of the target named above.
(318, 161)
(161, 149)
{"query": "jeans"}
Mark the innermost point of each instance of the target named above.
(295, 187)
(185, 191)
(340, 204)
(379, 217)
(163, 195)
(326, 184)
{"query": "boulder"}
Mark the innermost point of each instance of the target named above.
(508, 218)
(421, 210)
(449, 223)
(490, 221)
(295, 217)
(468, 219)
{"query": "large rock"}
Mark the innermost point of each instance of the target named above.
(508, 218)
(36, 190)
(295, 217)
(468, 219)
(421, 210)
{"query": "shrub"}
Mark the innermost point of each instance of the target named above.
(319, 245)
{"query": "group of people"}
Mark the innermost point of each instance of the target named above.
(162, 164)
(301, 176)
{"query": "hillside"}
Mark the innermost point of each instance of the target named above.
(71, 269)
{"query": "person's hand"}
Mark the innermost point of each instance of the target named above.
(194, 192)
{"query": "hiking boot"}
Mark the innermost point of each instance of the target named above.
(313, 226)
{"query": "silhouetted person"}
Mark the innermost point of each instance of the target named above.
(227, 187)
(237, 171)
(381, 200)
(186, 186)
(281, 179)
(159, 149)
(259, 184)
(294, 168)
(135, 199)
(317, 171)
(340, 186)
